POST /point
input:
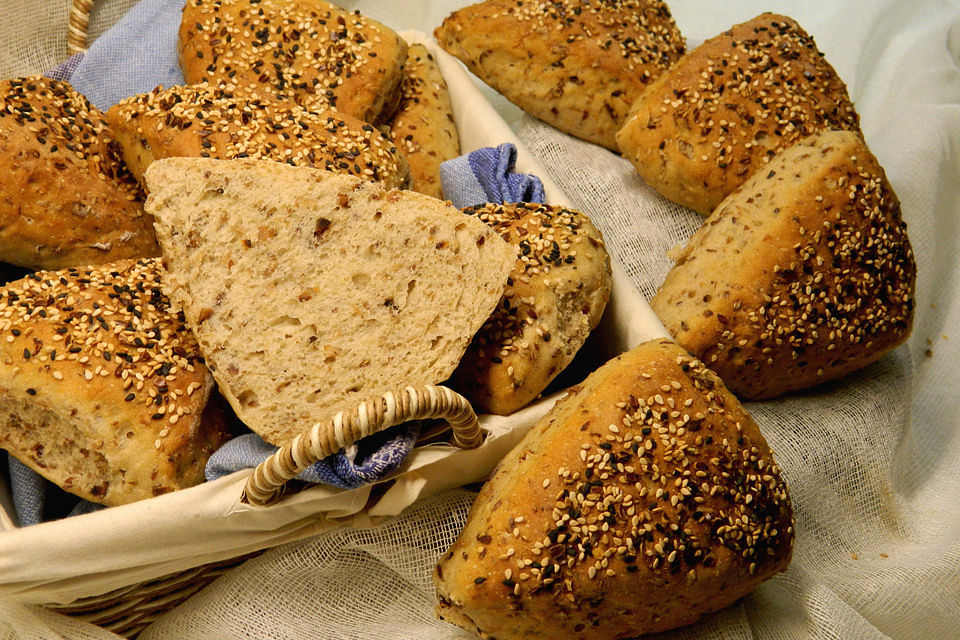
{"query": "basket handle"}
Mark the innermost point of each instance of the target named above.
(347, 427)
(77, 26)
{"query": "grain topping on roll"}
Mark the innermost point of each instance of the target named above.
(575, 64)
(802, 275)
(66, 198)
(558, 289)
(700, 130)
(644, 500)
(308, 51)
(203, 121)
(102, 385)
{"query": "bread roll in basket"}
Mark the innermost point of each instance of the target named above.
(122, 577)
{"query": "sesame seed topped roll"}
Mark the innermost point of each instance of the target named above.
(700, 130)
(103, 390)
(66, 198)
(575, 64)
(802, 275)
(206, 122)
(423, 126)
(307, 51)
(645, 499)
(556, 294)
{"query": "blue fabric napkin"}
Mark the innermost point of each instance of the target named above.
(138, 53)
(486, 175)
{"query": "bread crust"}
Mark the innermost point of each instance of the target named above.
(728, 106)
(102, 388)
(558, 289)
(66, 199)
(308, 51)
(423, 127)
(802, 275)
(644, 500)
(206, 122)
(575, 64)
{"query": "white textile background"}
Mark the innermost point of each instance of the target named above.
(873, 462)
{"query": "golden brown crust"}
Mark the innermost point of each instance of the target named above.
(202, 121)
(66, 198)
(308, 51)
(555, 296)
(803, 274)
(645, 499)
(423, 126)
(102, 387)
(700, 130)
(575, 64)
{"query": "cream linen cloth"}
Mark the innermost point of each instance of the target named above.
(873, 462)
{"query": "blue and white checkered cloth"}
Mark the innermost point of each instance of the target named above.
(133, 57)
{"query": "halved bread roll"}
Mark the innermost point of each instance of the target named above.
(103, 390)
(311, 291)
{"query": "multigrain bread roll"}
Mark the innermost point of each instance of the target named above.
(66, 198)
(423, 126)
(803, 274)
(644, 500)
(575, 64)
(102, 388)
(308, 51)
(557, 291)
(311, 292)
(700, 130)
(203, 121)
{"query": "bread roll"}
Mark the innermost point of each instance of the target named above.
(803, 274)
(577, 65)
(556, 294)
(307, 51)
(644, 500)
(700, 130)
(202, 121)
(102, 388)
(311, 292)
(66, 198)
(423, 126)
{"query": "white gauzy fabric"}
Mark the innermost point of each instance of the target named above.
(873, 462)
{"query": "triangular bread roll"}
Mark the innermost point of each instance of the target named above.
(201, 121)
(644, 500)
(802, 275)
(727, 107)
(306, 51)
(575, 65)
(310, 291)
(102, 387)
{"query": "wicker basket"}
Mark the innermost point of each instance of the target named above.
(128, 610)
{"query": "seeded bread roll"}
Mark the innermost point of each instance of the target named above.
(423, 126)
(66, 198)
(311, 292)
(558, 289)
(102, 387)
(803, 274)
(202, 121)
(644, 500)
(575, 64)
(700, 130)
(308, 51)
